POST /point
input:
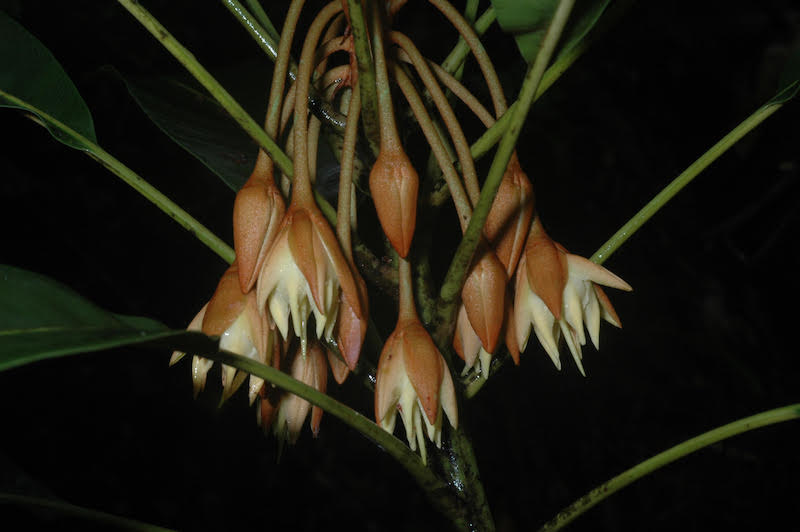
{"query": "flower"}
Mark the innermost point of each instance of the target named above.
(310, 368)
(481, 316)
(486, 305)
(394, 183)
(305, 272)
(234, 317)
(509, 218)
(557, 293)
(257, 214)
(413, 378)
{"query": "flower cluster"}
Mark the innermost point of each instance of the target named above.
(295, 298)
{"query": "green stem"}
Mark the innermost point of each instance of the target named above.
(263, 36)
(266, 36)
(562, 63)
(571, 512)
(454, 280)
(677, 184)
(263, 19)
(366, 74)
(458, 462)
(470, 12)
(212, 85)
(96, 517)
(130, 177)
(459, 53)
(439, 493)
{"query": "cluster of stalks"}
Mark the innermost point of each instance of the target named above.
(295, 297)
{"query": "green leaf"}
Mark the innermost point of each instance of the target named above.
(197, 123)
(528, 21)
(41, 318)
(32, 80)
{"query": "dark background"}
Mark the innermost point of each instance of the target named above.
(708, 333)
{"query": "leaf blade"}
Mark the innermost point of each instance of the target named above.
(41, 319)
(31, 79)
(528, 21)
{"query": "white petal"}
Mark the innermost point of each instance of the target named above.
(588, 270)
(573, 344)
(591, 310)
(572, 308)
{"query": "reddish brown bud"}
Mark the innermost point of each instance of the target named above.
(394, 184)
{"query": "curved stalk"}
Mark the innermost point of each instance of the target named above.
(463, 94)
(460, 198)
(456, 274)
(574, 510)
(475, 45)
(450, 121)
(344, 218)
(301, 187)
(207, 80)
(265, 35)
(459, 53)
(387, 123)
(281, 67)
(470, 12)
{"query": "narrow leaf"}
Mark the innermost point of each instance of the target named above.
(200, 125)
(528, 21)
(31, 79)
(41, 318)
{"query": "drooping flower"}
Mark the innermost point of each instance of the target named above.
(305, 272)
(412, 377)
(480, 319)
(394, 184)
(257, 214)
(486, 305)
(234, 317)
(557, 294)
(310, 368)
(509, 218)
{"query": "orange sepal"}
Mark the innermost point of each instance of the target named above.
(546, 267)
(227, 303)
(394, 184)
(510, 216)
(484, 298)
(511, 332)
(423, 364)
(257, 214)
(338, 367)
(351, 329)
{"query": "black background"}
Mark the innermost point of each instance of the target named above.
(708, 332)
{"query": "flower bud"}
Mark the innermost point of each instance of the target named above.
(257, 213)
(394, 184)
(509, 219)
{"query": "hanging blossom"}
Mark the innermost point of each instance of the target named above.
(306, 273)
(413, 378)
(234, 317)
(558, 295)
(310, 368)
(484, 295)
